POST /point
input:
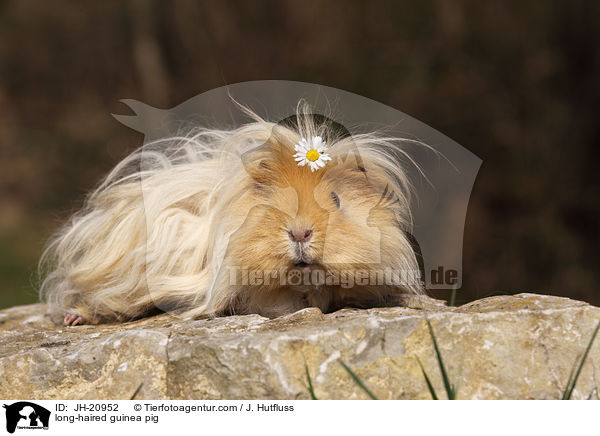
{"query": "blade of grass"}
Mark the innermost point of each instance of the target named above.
(570, 380)
(311, 391)
(137, 390)
(569, 389)
(357, 380)
(449, 389)
(591, 395)
(453, 296)
(429, 385)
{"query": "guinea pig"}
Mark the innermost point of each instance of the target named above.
(267, 218)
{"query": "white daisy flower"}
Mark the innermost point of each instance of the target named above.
(312, 153)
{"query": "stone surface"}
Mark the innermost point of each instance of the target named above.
(508, 347)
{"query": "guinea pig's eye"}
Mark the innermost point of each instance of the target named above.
(335, 199)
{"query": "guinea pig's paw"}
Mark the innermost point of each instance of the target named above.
(73, 319)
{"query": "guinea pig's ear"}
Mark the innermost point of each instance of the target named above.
(261, 170)
(261, 163)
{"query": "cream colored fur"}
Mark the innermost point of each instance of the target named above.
(167, 224)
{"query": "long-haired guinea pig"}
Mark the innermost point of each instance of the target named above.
(268, 218)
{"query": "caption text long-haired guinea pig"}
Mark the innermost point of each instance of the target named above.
(268, 218)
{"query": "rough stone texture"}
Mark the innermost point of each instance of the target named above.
(509, 347)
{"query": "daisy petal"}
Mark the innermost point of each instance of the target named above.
(312, 152)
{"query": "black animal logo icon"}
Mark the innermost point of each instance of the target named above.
(27, 414)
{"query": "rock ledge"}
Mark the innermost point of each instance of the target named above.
(509, 347)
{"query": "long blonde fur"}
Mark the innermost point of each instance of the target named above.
(161, 227)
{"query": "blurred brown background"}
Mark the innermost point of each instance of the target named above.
(517, 83)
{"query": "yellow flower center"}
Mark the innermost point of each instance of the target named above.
(312, 155)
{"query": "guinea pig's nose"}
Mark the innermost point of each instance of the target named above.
(300, 235)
